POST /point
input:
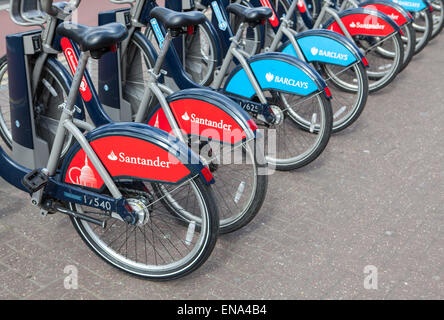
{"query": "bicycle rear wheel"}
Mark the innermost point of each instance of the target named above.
(240, 187)
(423, 26)
(349, 87)
(161, 246)
(382, 68)
(302, 130)
(437, 17)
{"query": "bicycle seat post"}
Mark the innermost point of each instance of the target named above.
(67, 113)
(164, 47)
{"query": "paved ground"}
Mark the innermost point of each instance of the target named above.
(375, 197)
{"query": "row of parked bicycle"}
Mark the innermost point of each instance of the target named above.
(157, 130)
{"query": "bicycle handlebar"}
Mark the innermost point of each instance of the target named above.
(48, 7)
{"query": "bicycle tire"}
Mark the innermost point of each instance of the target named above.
(129, 262)
(437, 17)
(427, 29)
(296, 124)
(381, 79)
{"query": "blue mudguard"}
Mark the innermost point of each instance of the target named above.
(413, 5)
(276, 71)
(325, 46)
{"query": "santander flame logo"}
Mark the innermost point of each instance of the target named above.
(186, 117)
(112, 156)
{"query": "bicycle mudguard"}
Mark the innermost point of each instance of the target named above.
(363, 22)
(132, 150)
(396, 12)
(325, 46)
(276, 71)
(413, 5)
(206, 113)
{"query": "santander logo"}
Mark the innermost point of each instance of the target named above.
(123, 158)
(368, 26)
(214, 124)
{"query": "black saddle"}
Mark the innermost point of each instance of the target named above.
(93, 39)
(177, 20)
(250, 15)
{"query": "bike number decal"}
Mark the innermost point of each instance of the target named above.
(72, 60)
(274, 20)
(394, 14)
(125, 157)
(411, 5)
(222, 23)
(201, 118)
(157, 31)
(363, 24)
(322, 49)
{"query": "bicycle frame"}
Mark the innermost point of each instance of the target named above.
(13, 172)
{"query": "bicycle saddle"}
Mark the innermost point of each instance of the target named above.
(250, 15)
(177, 20)
(93, 38)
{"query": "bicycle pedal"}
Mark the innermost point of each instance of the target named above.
(35, 180)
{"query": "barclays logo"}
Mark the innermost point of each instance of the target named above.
(329, 54)
(286, 81)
